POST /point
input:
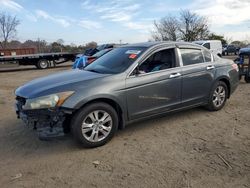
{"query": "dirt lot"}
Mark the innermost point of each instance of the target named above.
(195, 148)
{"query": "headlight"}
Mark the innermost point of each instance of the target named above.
(48, 101)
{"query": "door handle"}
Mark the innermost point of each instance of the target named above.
(210, 67)
(174, 75)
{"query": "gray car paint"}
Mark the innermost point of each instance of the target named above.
(197, 81)
(141, 95)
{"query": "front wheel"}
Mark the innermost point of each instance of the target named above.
(95, 124)
(42, 64)
(218, 96)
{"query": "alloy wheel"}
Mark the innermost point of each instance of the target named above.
(97, 126)
(219, 96)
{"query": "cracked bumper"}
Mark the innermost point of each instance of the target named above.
(47, 122)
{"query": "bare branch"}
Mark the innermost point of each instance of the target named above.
(192, 26)
(166, 29)
(188, 27)
(8, 25)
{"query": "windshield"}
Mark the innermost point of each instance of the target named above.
(101, 47)
(116, 61)
(99, 54)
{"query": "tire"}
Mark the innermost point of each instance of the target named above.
(247, 79)
(217, 99)
(88, 127)
(42, 64)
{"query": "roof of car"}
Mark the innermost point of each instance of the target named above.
(156, 43)
(203, 41)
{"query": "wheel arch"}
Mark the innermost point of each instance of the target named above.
(111, 101)
(227, 82)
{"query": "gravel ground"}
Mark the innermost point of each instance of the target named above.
(194, 148)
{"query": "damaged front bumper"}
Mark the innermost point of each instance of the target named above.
(49, 123)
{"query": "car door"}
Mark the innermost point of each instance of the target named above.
(197, 75)
(156, 90)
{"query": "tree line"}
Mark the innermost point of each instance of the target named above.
(42, 46)
(8, 31)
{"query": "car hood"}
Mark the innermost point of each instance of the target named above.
(59, 82)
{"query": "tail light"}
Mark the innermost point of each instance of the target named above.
(235, 67)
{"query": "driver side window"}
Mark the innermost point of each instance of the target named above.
(164, 59)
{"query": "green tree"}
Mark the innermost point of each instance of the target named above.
(213, 36)
(240, 44)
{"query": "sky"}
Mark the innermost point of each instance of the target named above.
(112, 21)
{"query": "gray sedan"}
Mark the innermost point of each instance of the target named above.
(128, 84)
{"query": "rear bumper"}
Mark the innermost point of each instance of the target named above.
(47, 122)
(234, 80)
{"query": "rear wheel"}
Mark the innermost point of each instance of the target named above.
(95, 124)
(218, 96)
(42, 64)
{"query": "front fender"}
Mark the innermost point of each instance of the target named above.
(78, 101)
(107, 98)
(99, 97)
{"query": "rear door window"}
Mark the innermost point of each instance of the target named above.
(191, 56)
